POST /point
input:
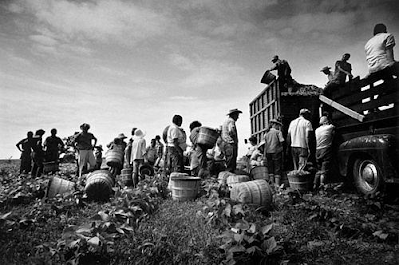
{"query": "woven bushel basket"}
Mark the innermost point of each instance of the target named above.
(222, 177)
(255, 191)
(114, 157)
(126, 176)
(99, 185)
(260, 172)
(59, 186)
(300, 180)
(50, 166)
(234, 179)
(185, 188)
(207, 137)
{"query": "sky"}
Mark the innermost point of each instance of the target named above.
(121, 64)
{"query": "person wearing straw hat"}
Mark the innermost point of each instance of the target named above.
(229, 145)
(84, 144)
(324, 138)
(299, 139)
(137, 154)
(273, 150)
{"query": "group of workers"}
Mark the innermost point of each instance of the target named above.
(204, 160)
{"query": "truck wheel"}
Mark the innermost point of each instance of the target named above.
(367, 176)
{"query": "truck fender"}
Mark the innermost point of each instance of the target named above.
(382, 148)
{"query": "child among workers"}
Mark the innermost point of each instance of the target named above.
(273, 151)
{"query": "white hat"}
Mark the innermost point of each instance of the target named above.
(139, 133)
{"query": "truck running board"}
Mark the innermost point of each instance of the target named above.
(341, 108)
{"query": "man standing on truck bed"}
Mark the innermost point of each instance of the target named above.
(283, 72)
(298, 138)
(229, 145)
(379, 50)
(343, 69)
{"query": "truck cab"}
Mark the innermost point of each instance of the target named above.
(368, 149)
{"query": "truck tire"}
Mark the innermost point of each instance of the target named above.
(367, 176)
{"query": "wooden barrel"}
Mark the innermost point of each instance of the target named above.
(260, 172)
(299, 180)
(126, 176)
(255, 191)
(234, 179)
(207, 137)
(99, 185)
(50, 166)
(185, 188)
(114, 157)
(222, 177)
(59, 186)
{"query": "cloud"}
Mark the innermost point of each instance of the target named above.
(65, 22)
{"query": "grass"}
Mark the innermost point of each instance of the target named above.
(335, 227)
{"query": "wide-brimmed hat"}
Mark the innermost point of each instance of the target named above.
(234, 111)
(40, 132)
(276, 122)
(325, 69)
(304, 111)
(99, 147)
(121, 136)
(139, 133)
(275, 58)
(85, 126)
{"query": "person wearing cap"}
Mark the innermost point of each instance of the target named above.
(53, 146)
(273, 150)
(98, 155)
(324, 138)
(137, 154)
(299, 139)
(25, 146)
(343, 69)
(37, 153)
(229, 145)
(176, 144)
(84, 144)
(379, 50)
(284, 73)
